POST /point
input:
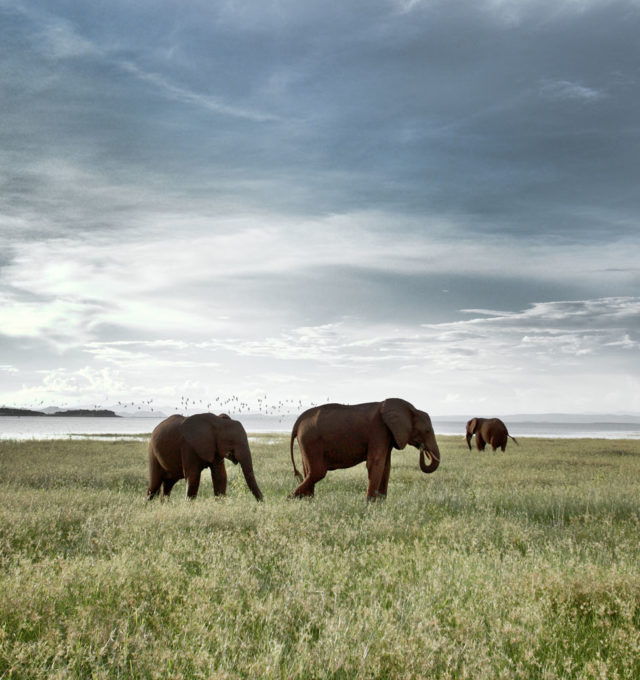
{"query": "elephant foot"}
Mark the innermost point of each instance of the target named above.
(299, 496)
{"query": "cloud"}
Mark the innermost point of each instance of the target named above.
(286, 189)
(563, 89)
(61, 385)
(386, 112)
(55, 320)
(152, 354)
(189, 97)
(245, 272)
(545, 333)
(53, 36)
(510, 360)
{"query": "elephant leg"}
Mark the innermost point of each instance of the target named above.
(219, 478)
(193, 482)
(480, 442)
(167, 485)
(382, 490)
(156, 473)
(375, 467)
(307, 486)
(314, 470)
(191, 469)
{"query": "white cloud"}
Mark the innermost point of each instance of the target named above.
(565, 89)
(70, 387)
(188, 96)
(159, 354)
(156, 284)
(544, 335)
(54, 319)
(563, 356)
(58, 40)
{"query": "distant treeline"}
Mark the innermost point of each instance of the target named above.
(74, 413)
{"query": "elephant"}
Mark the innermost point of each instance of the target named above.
(182, 447)
(490, 431)
(336, 436)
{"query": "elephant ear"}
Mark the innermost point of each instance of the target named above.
(199, 432)
(396, 415)
(472, 425)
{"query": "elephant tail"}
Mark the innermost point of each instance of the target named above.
(514, 439)
(294, 434)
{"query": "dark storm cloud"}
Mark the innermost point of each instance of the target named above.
(509, 116)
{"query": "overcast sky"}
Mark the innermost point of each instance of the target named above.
(319, 200)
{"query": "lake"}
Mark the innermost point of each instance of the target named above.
(25, 427)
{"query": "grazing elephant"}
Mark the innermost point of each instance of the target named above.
(183, 447)
(335, 436)
(490, 431)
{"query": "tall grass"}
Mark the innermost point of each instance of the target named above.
(522, 564)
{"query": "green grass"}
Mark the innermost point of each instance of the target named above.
(524, 564)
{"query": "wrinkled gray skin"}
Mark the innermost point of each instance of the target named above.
(182, 447)
(490, 431)
(335, 436)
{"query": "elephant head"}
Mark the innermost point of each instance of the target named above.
(472, 426)
(214, 436)
(408, 425)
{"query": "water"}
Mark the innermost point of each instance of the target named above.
(25, 427)
(49, 427)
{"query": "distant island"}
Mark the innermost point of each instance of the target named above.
(73, 413)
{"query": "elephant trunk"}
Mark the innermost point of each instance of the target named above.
(434, 458)
(247, 468)
(469, 435)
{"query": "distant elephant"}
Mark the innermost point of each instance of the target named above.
(182, 447)
(490, 431)
(335, 436)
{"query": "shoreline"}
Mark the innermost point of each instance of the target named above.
(37, 427)
(142, 436)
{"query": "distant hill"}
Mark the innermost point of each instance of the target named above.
(73, 413)
(20, 412)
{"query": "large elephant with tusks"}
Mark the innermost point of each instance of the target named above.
(334, 436)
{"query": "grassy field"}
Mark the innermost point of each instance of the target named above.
(524, 564)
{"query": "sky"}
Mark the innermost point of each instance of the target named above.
(297, 202)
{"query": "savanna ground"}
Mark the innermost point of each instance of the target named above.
(524, 564)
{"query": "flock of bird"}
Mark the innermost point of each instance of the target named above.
(231, 405)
